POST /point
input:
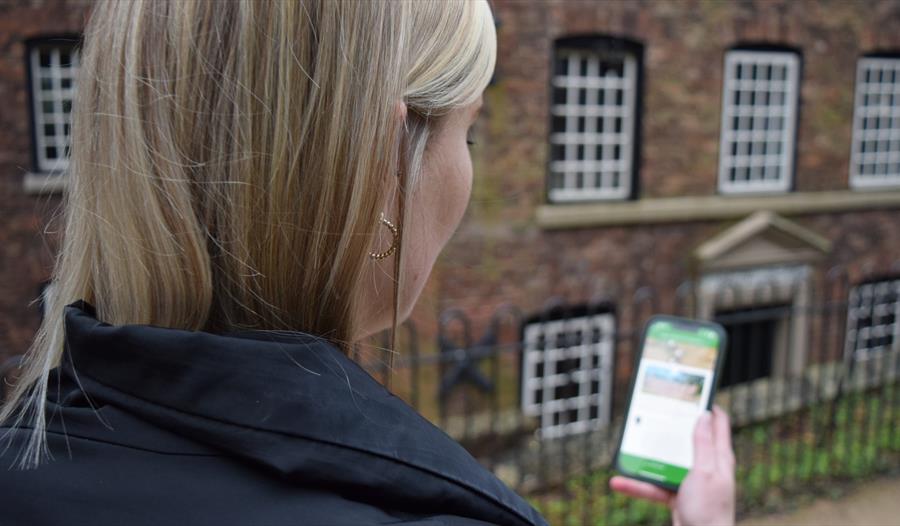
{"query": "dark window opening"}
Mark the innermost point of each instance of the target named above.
(752, 340)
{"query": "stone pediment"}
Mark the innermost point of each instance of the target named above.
(762, 239)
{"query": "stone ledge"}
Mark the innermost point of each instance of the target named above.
(45, 183)
(704, 208)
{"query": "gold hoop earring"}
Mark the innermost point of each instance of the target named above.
(395, 233)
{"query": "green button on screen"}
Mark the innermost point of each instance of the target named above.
(652, 469)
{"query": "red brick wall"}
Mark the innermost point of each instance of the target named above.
(684, 46)
(25, 252)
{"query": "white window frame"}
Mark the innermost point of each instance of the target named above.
(586, 352)
(57, 96)
(864, 302)
(598, 174)
(748, 138)
(885, 164)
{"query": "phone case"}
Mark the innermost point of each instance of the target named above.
(720, 359)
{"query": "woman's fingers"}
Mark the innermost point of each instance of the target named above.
(722, 431)
(704, 444)
(641, 490)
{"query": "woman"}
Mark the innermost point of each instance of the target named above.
(254, 187)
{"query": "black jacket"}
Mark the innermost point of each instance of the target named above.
(246, 428)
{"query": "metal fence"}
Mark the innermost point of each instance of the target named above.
(810, 382)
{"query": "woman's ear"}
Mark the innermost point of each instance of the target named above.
(400, 111)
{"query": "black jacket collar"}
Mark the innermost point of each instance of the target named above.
(292, 403)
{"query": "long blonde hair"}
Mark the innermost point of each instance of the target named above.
(229, 162)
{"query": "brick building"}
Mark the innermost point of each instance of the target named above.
(624, 146)
(36, 71)
(708, 149)
(540, 225)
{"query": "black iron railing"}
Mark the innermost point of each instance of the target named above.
(812, 408)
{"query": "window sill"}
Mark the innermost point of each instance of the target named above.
(45, 183)
(706, 208)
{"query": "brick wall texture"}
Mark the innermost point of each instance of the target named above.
(500, 254)
(27, 234)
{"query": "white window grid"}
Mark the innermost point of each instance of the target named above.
(759, 108)
(875, 154)
(873, 318)
(593, 121)
(53, 74)
(568, 373)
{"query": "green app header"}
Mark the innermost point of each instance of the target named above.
(664, 330)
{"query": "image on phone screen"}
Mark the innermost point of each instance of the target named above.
(674, 384)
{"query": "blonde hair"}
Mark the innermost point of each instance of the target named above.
(229, 162)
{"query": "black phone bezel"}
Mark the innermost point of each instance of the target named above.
(720, 360)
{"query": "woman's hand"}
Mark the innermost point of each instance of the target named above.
(706, 496)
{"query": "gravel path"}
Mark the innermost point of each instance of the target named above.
(875, 503)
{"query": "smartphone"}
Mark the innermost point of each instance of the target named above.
(678, 364)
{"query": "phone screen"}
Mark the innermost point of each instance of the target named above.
(674, 384)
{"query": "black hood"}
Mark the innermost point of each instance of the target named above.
(290, 403)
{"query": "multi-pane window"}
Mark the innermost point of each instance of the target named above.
(875, 155)
(568, 373)
(873, 318)
(54, 65)
(593, 113)
(759, 114)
